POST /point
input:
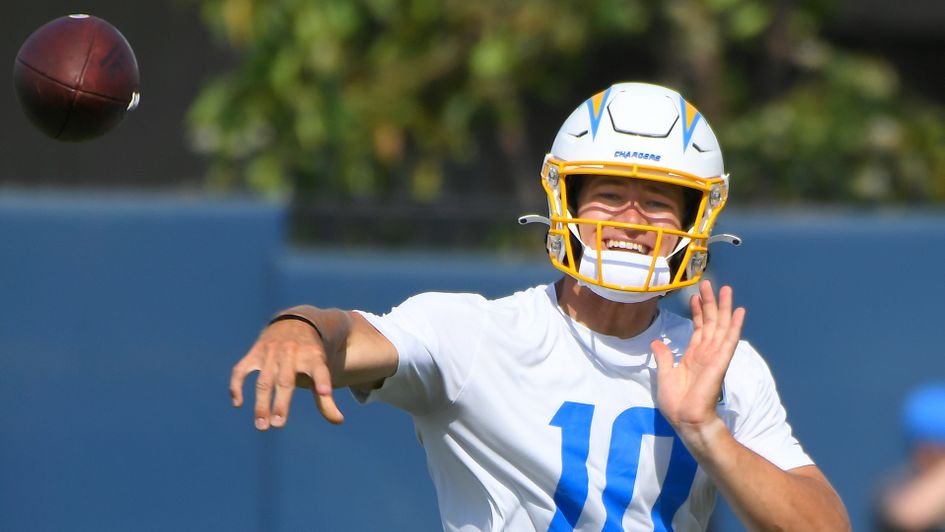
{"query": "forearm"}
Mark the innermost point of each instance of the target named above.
(356, 354)
(764, 496)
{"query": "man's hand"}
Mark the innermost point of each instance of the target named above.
(763, 496)
(919, 504)
(687, 393)
(288, 353)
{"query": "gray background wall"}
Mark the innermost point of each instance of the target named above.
(122, 316)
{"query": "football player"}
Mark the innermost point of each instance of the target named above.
(579, 405)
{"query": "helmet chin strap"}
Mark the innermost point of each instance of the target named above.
(623, 268)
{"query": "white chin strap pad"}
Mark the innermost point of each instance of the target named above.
(623, 268)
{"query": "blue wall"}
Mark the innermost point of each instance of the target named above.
(847, 311)
(122, 316)
(118, 322)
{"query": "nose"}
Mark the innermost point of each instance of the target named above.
(630, 213)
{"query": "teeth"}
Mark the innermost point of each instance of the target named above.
(629, 246)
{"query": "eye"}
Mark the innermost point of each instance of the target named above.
(608, 196)
(659, 204)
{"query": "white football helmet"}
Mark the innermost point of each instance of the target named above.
(634, 131)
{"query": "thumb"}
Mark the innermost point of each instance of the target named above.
(663, 356)
(326, 405)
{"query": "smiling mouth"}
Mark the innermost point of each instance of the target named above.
(623, 245)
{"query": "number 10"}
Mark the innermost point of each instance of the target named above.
(629, 427)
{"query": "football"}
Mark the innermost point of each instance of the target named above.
(76, 78)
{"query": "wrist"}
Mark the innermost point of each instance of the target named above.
(703, 438)
(290, 314)
(331, 325)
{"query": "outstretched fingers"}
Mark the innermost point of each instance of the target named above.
(716, 326)
(734, 332)
(265, 385)
(278, 383)
(285, 385)
(238, 376)
(729, 324)
(695, 306)
(709, 309)
(725, 309)
(287, 355)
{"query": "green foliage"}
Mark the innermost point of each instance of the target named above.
(345, 96)
(848, 134)
(382, 98)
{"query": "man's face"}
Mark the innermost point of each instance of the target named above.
(634, 201)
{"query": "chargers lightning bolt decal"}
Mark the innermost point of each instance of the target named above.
(595, 106)
(690, 118)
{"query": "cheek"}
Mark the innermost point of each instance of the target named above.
(669, 241)
(668, 244)
(588, 234)
(664, 219)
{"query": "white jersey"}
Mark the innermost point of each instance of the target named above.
(531, 421)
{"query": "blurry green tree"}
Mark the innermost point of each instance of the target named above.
(387, 98)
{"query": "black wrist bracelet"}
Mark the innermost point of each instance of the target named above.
(283, 317)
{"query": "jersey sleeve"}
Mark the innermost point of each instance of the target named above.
(437, 338)
(755, 414)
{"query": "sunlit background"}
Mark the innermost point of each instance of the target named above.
(353, 152)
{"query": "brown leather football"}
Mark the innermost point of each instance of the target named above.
(76, 78)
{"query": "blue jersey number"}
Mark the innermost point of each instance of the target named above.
(631, 425)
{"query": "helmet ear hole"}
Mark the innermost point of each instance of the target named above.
(676, 262)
